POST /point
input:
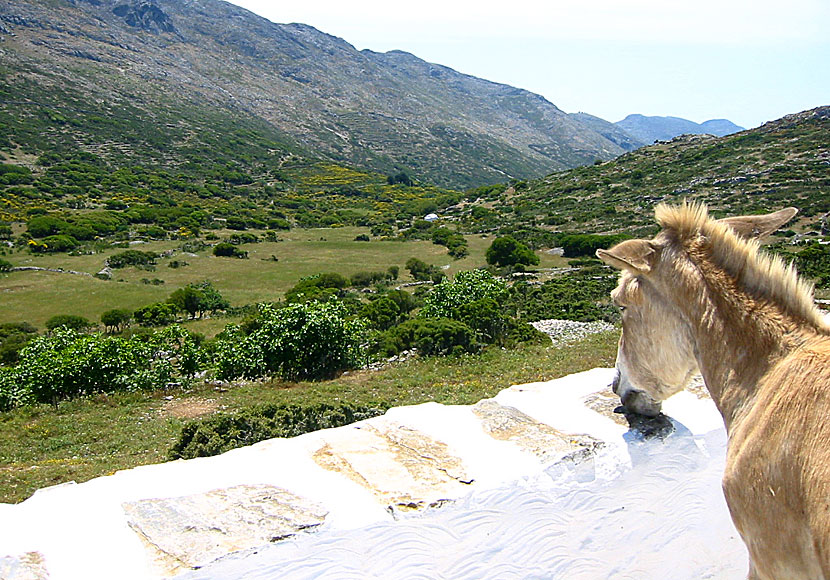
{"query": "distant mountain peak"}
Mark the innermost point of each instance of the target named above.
(651, 129)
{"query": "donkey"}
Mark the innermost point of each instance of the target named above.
(701, 297)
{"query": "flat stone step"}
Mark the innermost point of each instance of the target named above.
(191, 531)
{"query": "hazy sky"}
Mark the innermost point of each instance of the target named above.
(749, 61)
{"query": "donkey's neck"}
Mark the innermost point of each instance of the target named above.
(738, 336)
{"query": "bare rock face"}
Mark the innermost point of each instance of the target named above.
(29, 566)
(194, 530)
(545, 442)
(404, 468)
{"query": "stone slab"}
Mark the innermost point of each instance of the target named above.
(404, 468)
(192, 531)
(548, 444)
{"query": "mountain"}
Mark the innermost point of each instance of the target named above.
(150, 77)
(611, 131)
(651, 129)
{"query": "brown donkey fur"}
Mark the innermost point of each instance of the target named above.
(702, 297)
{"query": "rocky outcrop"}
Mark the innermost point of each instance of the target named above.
(145, 15)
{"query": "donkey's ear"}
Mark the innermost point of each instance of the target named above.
(758, 226)
(635, 255)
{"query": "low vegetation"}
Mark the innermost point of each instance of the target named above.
(100, 434)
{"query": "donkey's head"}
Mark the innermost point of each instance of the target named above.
(656, 356)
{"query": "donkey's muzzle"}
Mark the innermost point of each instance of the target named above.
(641, 403)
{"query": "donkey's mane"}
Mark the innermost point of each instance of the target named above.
(754, 270)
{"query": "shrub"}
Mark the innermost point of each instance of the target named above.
(320, 287)
(158, 314)
(70, 321)
(507, 251)
(13, 337)
(422, 271)
(366, 279)
(430, 336)
(132, 258)
(467, 287)
(814, 262)
(224, 249)
(575, 245)
(5, 265)
(311, 340)
(382, 313)
(13, 394)
(220, 433)
(66, 364)
(59, 243)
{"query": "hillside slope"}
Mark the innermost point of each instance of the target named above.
(782, 163)
(178, 66)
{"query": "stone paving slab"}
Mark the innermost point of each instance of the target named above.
(404, 468)
(194, 530)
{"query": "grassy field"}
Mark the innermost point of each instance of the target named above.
(36, 296)
(99, 435)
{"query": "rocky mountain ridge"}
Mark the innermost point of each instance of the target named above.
(169, 60)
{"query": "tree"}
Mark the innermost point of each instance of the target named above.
(188, 299)
(212, 300)
(116, 319)
(507, 251)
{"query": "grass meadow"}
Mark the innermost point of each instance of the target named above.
(36, 296)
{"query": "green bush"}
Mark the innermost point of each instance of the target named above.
(5, 265)
(227, 250)
(13, 393)
(310, 340)
(70, 321)
(582, 296)
(158, 314)
(507, 251)
(67, 364)
(422, 271)
(132, 258)
(13, 337)
(430, 336)
(220, 433)
(382, 312)
(366, 279)
(320, 287)
(467, 287)
(59, 243)
(575, 245)
(814, 262)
